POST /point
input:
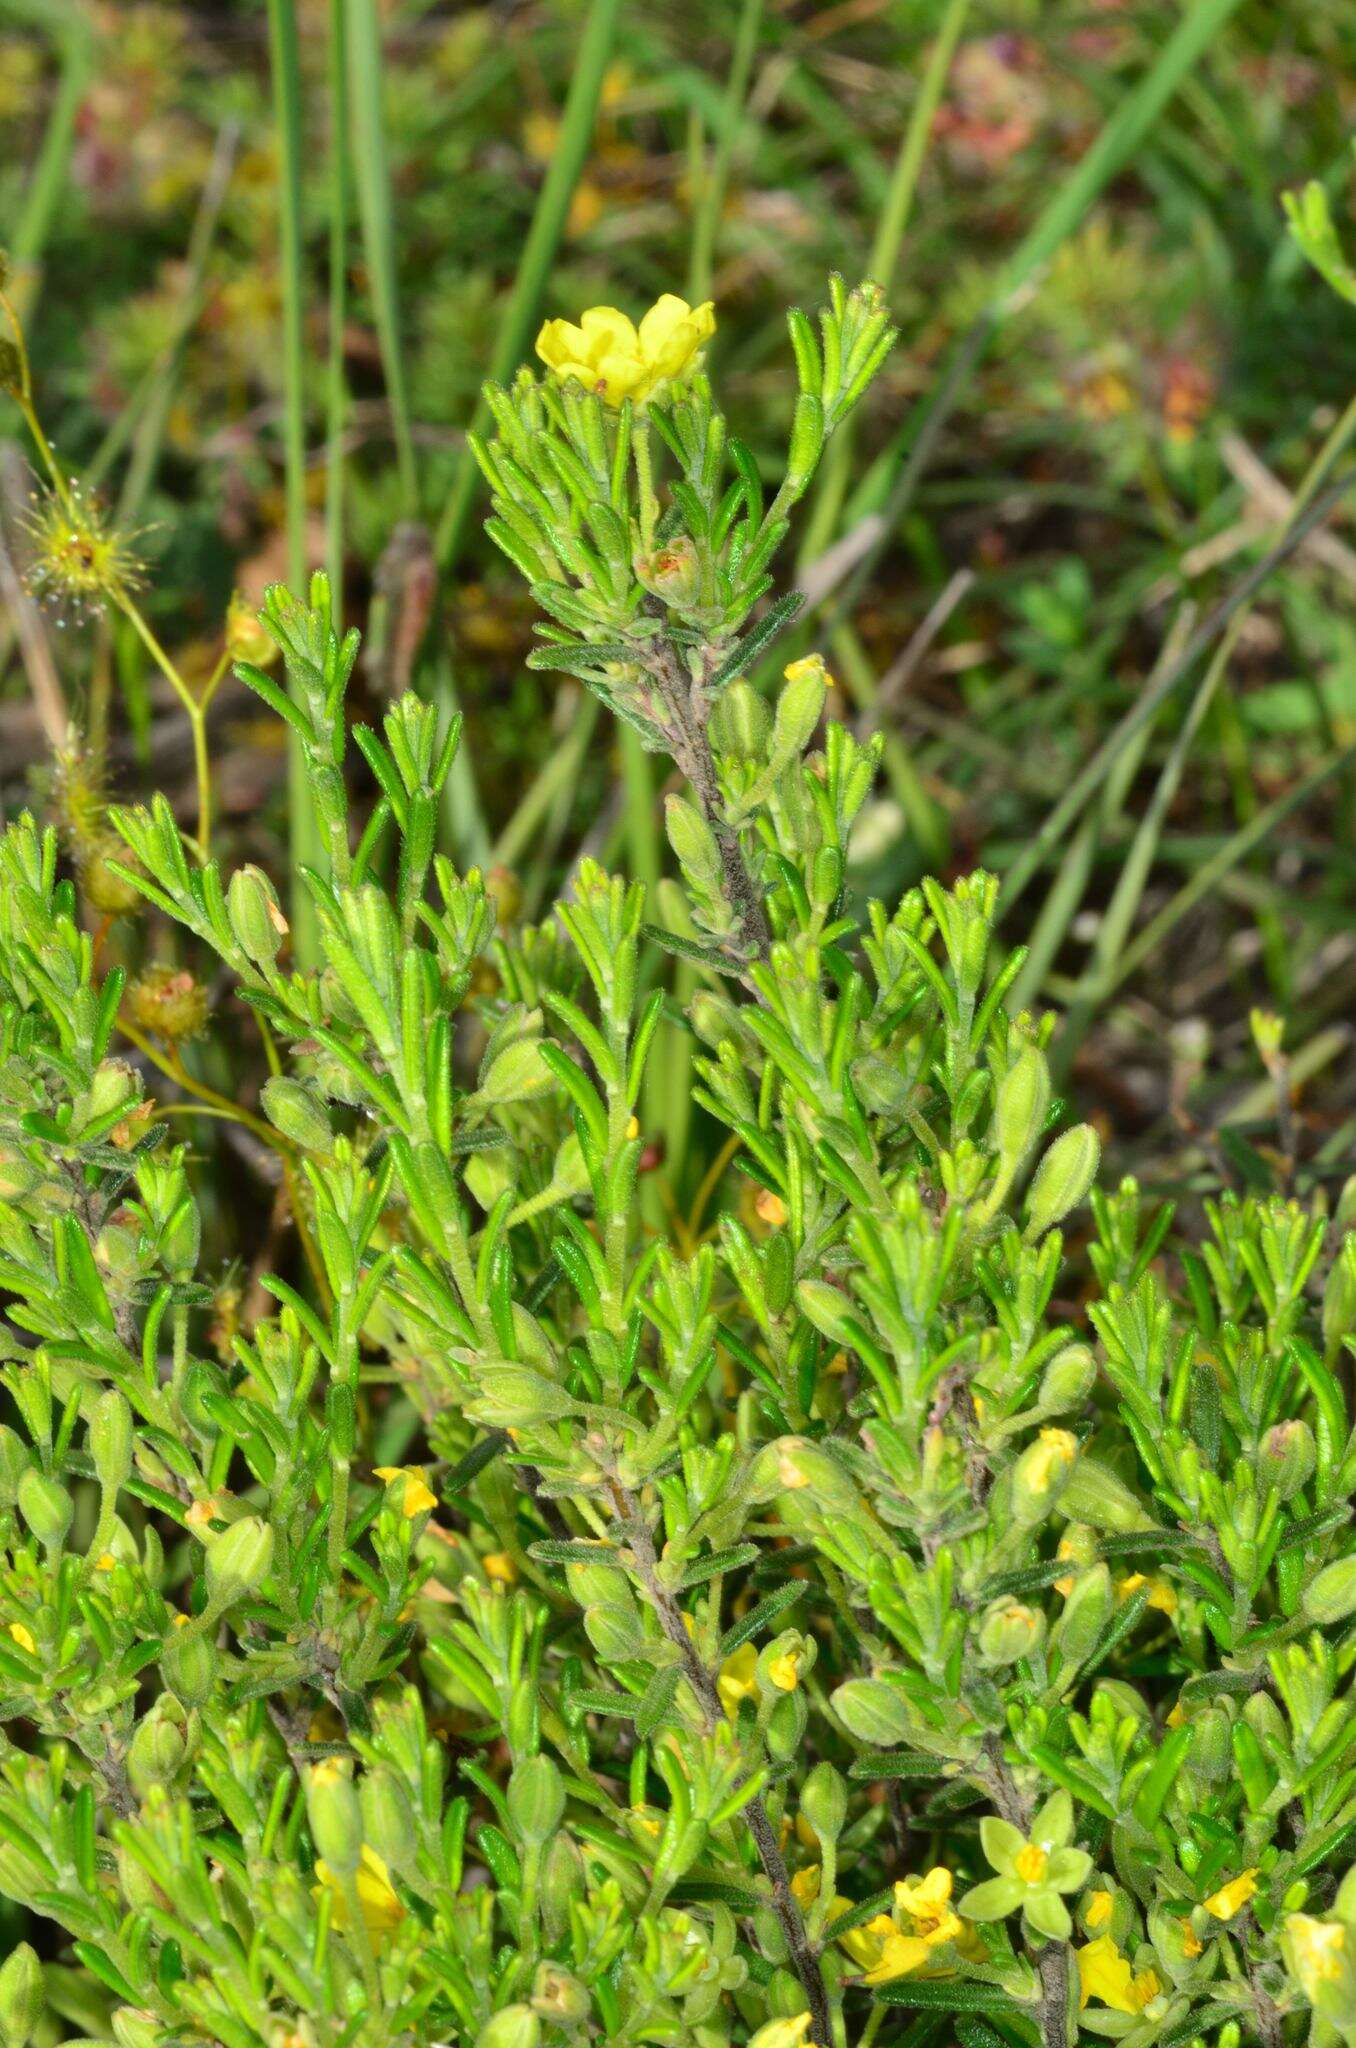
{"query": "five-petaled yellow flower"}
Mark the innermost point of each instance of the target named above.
(415, 1496)
(609, 354)
(1104, 1974)
(1231, 1898)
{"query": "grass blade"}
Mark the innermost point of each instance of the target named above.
(372, 179)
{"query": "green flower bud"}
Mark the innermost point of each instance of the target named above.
(237, 1561)
(558, 1996)
(1286, 1458)
(18, 1175)
(740, 723)
(1329, 1597)
(512, 1396)
(1063, 1178)
(1041, 1474)
(133, 2028)
(21, 1995)
(256, 916)
(292, 1109)
(562, 1882)
(671, 572)
(1339, 1296)
(1094, 1494)
(114, 1086)
(799, 708)
(1212, 1755)
(1008, 1631)
(46, 1507)
(1086, 1613)
(1021, 1106)
(110, 1440)
(517, 2026)
(389, 1825)
(536, 1799)
(516, 1073)
(158, 1749)
(692, 840)
(335, 1816)
(792, 1464)
(824, 1801)
(189, 1663)
(1067, 1380)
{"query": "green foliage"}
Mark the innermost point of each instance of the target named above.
(870, 1619)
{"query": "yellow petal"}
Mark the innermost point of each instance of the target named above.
(1231, 1898)
(23, 1637)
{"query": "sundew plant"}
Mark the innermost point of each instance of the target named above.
(911, 1598)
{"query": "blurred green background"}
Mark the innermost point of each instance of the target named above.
(267, 253)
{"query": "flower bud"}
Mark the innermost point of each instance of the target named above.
(1330, 1595)
(1068, 1378)
(799, 707)
(1021, 1106)
(511, 1396)
(558, 1996)
(1063, 1178)
(255, 914)
(824, 1801)
(169, 1003)
(292, 1109)
(110, 1440)
(875, 1711)
(247, 638)
(1286, 1458)
(1339, 1296)
(237, 1561)
(21, 1995)
(1041, 1474)
(189, 1664)
(133, 2028)
(1094, 1494)
(671, 572)
(740, 723)
(536, 1799)
(1086, 1613)
(46, 1507)
(692, 840)
(1008, 1631)
(792, 1464)
(335, 1816)
(517, 2026)
(792, 2033)
(159, 1747)
(387, 1815)
(113, 1086)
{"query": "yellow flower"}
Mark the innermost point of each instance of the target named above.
(377, 1901)
(865, 1944)
(805, 1886)
(926, 1900)
(23, 1637)
(499, 1565)
(808, 665)
(415, 1497)
(609, 354)
(1317, 1950)
(1191, 1941)
(1161, 1594)
(738, 1679)
(1099, 1910)
(1104, 1974)
(784, 1670)
(105, 1562)
(899, 1955)
(1030, 1861)
(782, 2033)
(1231, 1898)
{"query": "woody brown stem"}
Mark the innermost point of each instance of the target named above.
(805, 1962)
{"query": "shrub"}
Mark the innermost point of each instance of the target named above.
(866, 1619)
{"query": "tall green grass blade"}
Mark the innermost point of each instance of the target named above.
(285, 64)
(716, 173)
(53, 161)
(372, 179)
(891, 228)
(336, 395)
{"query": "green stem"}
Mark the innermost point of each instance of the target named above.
(336, 403)
(373, 182)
